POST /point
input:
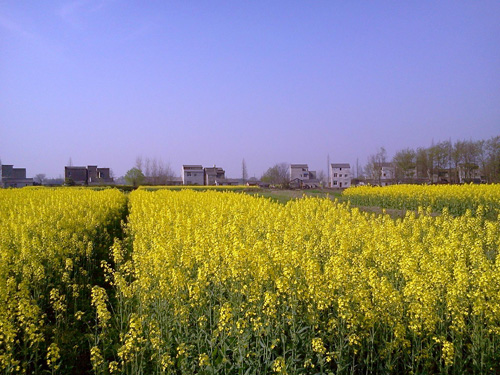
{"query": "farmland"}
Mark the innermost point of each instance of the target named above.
(456, 199)
(225, 282)
(51, 244)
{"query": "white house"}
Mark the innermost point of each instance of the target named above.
(340, 175)
(193, 175)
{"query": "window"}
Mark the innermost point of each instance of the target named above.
(188, 174)
(335, 175)
(334, 183)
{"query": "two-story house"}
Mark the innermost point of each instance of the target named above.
(302, 177)
(214, 175)
(193, 175)
(340, 175)
(90, 175)
(197, 175)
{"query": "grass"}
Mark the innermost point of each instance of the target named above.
(283, 196)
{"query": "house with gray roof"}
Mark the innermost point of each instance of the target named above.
(90, 175)
(214, 175)
(301, 177)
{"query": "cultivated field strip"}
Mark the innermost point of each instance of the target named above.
(211, 282)
(457, 199)
(51, 244)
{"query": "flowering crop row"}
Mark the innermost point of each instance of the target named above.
(51, 241)
(213, 282)
(456, 198)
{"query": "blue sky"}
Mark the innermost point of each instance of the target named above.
(213, 82)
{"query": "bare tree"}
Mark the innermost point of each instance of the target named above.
(322, 177)
(39, 178)
(147, 168)
(164, 173)
(138, 163)
(374, 166)
(492, 171)
(155, 171)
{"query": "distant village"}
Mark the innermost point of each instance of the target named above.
(298, 176)
(441, 163)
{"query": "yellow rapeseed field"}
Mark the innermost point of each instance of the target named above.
(212, 282)
(51, 243)
(222, 282)
(457, 199)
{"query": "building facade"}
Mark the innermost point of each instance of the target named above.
(197, 175)
(90, 175)
(13, 177)
(300, 171)
(340, 175)
(193, 175)
(214, 175)
(301, 177)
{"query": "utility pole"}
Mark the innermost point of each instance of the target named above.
(328, 169)
(244, 173)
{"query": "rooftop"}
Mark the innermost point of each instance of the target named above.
(192, 167)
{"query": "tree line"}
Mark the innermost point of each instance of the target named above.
(149, 172)
(441, 162)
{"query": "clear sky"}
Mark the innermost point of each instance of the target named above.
(213, 82)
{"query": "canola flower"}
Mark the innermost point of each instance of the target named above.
(219, 282)
(51, 241)
(457, 199)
